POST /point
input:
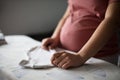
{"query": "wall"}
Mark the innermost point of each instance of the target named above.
(30, 16)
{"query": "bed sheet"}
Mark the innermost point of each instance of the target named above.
(17, 47)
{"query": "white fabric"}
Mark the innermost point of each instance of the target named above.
(40, 58)
(17, 47)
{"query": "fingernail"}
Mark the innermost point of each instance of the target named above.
(54, 62)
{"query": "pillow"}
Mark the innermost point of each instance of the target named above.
(2, 39)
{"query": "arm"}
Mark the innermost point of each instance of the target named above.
(103, 33)
(99, 38)
(56, 33)
(53, 41)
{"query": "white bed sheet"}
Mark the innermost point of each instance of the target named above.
(17, 47)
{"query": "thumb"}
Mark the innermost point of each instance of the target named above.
(52, 46)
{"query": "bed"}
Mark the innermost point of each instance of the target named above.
(18, 45)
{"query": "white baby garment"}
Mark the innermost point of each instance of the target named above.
(40, 58)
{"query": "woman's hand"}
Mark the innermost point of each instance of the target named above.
(49, 43)
(65, 60)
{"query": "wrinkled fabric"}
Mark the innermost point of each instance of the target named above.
(39, 58)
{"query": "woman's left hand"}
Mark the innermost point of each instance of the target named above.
(65, 60)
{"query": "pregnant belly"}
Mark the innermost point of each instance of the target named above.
(74, 39)
(74, 35)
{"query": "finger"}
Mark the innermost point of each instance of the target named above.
(66, 65)
(56, 55)
(63, 62)
(45, 44)
(52, 46)
(46, 41)
(44, 47)
(59, 59)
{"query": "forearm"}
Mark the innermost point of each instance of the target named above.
(103, 33)
(57, 31)
(99, 38)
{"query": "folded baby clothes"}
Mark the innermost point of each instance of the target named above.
(39, 58)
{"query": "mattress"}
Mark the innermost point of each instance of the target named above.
(16, 50)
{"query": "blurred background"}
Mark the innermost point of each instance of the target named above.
(35, 18)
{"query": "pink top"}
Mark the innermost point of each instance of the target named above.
(85, 16)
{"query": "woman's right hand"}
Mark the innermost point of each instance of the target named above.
(49, 43)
